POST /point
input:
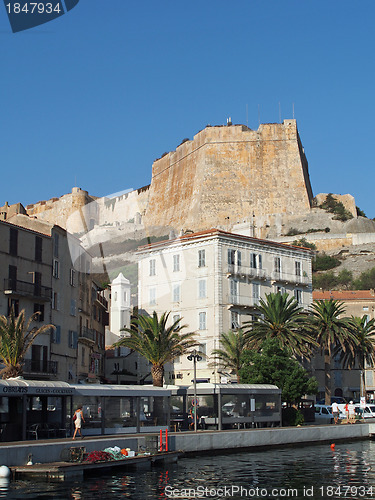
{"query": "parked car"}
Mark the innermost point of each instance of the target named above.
(367, 412)
(336, 399)
(323, 414)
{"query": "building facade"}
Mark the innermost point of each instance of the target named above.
(123, 366)
(213, 280)
(37, 274)
(347, 382)
(25, 280)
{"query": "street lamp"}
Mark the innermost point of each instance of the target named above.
(194, 356)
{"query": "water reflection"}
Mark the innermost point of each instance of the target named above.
(312, 469)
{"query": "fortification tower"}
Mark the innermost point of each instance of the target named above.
(228, 173)
(58, 210)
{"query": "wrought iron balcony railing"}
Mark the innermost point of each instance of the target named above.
(40, 366)
(17, 287)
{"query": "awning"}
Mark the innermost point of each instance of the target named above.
(19, 386)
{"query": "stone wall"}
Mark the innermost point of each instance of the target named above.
(58, 210)
(227, 173)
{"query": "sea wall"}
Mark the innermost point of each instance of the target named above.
(12, 454)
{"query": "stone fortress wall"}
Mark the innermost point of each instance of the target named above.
(58, 210)
(227, 177)
(222, 177)
(228, 173)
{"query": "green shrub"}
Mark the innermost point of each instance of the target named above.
(292, 416)
(302, 242)
(293, 232)
(323, 262)
(325, 281)
(336, 207)
(365, 281)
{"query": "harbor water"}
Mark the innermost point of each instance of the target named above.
(346, 470)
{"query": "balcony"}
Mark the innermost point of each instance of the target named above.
(246, 272)
(40, 366)
(102, 300)
(26, 289)
(88, 334)
(242, 300)
(293, 279)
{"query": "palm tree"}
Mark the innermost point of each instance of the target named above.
(157, 342)
(331, 333)
(16, 338)
(283, 319)
(233, 343)
(362, 349)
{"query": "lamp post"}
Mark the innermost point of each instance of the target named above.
(194, 356)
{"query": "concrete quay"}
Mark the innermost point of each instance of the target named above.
(255, 439)
(47, 451)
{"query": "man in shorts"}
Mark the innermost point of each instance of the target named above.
(335, 412)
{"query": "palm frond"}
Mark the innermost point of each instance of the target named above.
(159, 343)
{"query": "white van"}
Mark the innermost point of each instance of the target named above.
(367, 412)
(323, 414)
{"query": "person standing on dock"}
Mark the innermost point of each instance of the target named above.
(335, 412)
(78, 419)
(351, 409)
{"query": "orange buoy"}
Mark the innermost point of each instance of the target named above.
(332, 446)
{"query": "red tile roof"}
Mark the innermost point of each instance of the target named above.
(344, 295)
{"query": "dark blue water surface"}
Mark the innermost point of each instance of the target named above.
(348, 471)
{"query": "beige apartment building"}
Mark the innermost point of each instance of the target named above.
(347, 382)
(213, 280)
(91, 343)
(25, 280)
(37, 274)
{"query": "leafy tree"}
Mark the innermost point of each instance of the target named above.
(302, 242)
(280, 317)
(230, 355)
(345, 279)
(157, 342)
(325, 281)
(331, 332)
(365, 281)
(361, 348)
(16, 338)
(273, 365)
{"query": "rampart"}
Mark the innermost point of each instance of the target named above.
(58, 210)
(228, 173)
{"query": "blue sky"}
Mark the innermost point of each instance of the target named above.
(92, 98)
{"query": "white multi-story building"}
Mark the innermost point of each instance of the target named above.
(213, 280)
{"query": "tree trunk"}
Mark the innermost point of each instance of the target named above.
(363, 378)
(157, 373)
(327, 377)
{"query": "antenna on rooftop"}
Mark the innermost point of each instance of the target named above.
(293, 110)
(259, 114)
(279, 112)
(247, 115)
